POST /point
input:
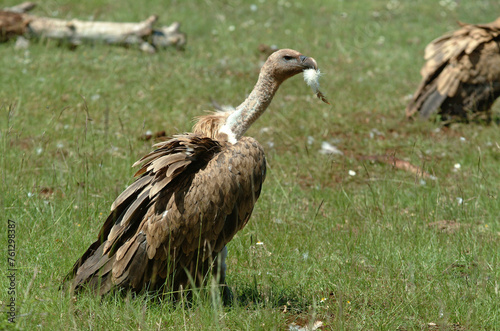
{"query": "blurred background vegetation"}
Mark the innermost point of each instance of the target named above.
(343, 240)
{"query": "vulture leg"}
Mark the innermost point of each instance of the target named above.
(219, 273)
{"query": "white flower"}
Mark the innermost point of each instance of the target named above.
(457, 166)
(352, 173)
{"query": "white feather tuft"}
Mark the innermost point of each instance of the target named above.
(311, 77)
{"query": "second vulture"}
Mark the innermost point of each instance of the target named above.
(462, 74)
(192, 194)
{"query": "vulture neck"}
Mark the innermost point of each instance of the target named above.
(238, 122)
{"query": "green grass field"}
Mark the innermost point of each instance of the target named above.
(381, 250)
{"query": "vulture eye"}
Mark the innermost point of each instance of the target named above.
(288, 58)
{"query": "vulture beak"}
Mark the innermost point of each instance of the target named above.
(308, 62)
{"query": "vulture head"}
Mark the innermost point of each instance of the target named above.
(286, 63)
(280, 66)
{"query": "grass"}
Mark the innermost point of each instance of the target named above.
(380, 250)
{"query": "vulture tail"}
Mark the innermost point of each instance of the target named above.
(433, 101)
(92, 269)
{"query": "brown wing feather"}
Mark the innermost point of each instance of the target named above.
(454, 61)
(193, 195)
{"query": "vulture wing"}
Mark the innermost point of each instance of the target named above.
(461, 67)
(192, 195)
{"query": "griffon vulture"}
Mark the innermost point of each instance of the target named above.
(191, 195)
(462, 73)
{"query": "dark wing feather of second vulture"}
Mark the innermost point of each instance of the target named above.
(462, 73)
(163, 224)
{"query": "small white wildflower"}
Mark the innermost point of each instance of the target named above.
(259, 243)
(375, 132)
(457, 166)
(39, 151)
(459, 200)
(253, 7)
(265, 130)
(30, 194)
(232, 28)
(422, 182)
(462, 138)
(310, 140)
(352, 173)
(21, 43)
(305, 255)
(392, 4)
